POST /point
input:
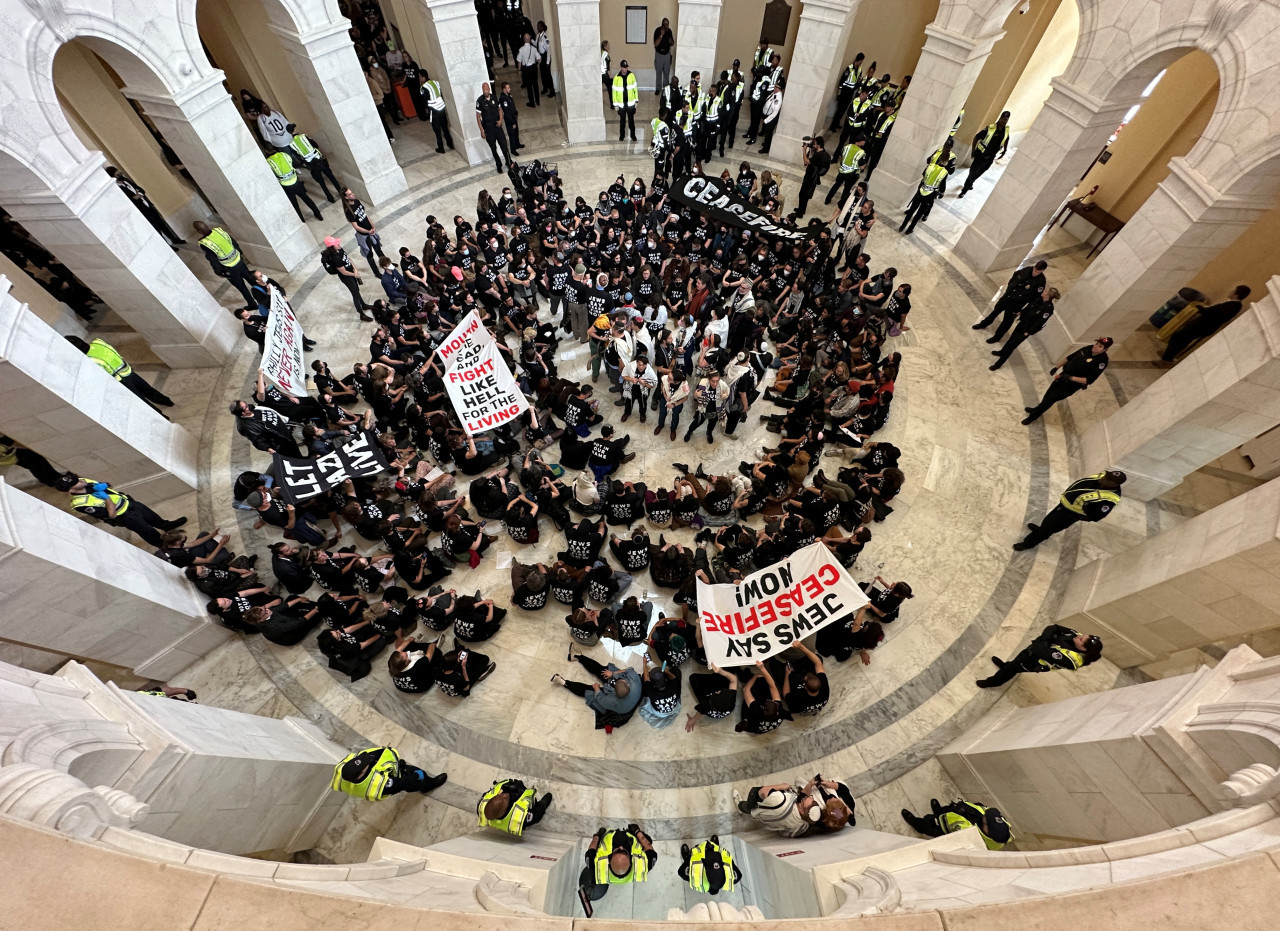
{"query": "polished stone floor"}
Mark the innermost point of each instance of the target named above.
(975, 476)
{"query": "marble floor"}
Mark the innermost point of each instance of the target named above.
(975, 476)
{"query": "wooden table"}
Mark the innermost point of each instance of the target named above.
(1095, 216)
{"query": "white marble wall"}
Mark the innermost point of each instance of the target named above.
(349, 132)
(816, 64)
(456, 33)
(948, 67)
(697, 36)
(68, 587)
(1218, 397)
(584, 106)
(205, 127)
(56, 401)
(1207, 579)
(88, 223)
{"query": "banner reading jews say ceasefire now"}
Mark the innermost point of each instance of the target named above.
(480, 385)
(775, 607)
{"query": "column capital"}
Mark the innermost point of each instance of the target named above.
(188, 103)
(957, 46)
(820, 9)
(1195, 194)
(444, 10)
(319, 40)
(1081, 107)
(82, 186)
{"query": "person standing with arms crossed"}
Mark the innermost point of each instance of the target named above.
(664, 41)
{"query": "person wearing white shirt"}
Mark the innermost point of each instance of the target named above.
(273, 128)
(673, 392)
(638, 380)
(543, 44)
(604, 64)
(655, 317)
(528, 59)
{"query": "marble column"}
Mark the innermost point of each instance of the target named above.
(816, 65)
(1223, 394)
(60, 404)
(1057, 150)
(204, 126)
(1207, 579)
(949, 64)
(68, 587)
(697, 36)
(349, 132)
(93, 229)
(584, 113)
(1183, 224)
(455, 31)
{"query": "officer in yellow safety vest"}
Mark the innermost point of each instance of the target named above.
(377, 772)
(626, 95)
(988, 145)
(712, 114)
(709, 867)
(878, 138)
(14, 453)
(102, 502)
(615, 858)
(850, 78)
(957, 816)
(660, 145)
(1091, 498)
(848, 167)
(434, 98)
(510, 806)
(859, 114)
(305, 151)
(225, 259)
(1057, 647)
(294, 187)
(933, 184)
(108, 358)
(955, 127)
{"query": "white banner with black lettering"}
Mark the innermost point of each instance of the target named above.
(282, 360)
(480, 385)
(775, 607)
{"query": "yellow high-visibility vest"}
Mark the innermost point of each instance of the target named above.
(220, 243)
(110, 361)
(698, 867)
(513, 821)
(626, 91)
(372, 787)
(282, 166)
(990, 134)
(1075, 503)
(934, 175)
(950, 822)
(120, 501)
(639, 863)
(851, 158)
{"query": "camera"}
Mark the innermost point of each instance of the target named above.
(807, 140)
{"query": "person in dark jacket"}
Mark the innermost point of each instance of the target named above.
(1031, 320)
(1206, 322)
(1057, 647)
(1091, 498)
(289, 567)
(1023, 287)
(265, 429)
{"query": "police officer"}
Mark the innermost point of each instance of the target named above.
(713, 114)
(671, 96)
(225, 258)
(660, 145)
(433, 103)
(709, 867)
(848, 166)
(626, 96)
(682, 141)
(880, 128)
(960, 815)
(294, 187)
(1091, 498)
(860, 111)
(737, 91)
(986, 144)
(850, 78)
(489, 119)
(933, 184)
(304, 150)
(510, 806)
(1074, 373)
(1024, 285)
(377, 772)
(1057, 647)
(1031, 320)
(510, 117)
(107, 358)
(102, 502)
(615, 858)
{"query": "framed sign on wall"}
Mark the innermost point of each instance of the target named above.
(637, 25)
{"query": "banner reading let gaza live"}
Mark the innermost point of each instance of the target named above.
(723, 203)
(282, 360)
(483, 392)
(775, 607)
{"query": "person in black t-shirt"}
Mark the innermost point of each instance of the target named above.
(606, 454)
(529, 586)
(625, 503)
(633, 552)
(583, 542)
(762, 707)
(521, 520)
(413, 666)
(716, 692)
(805, 689)
(661, 690)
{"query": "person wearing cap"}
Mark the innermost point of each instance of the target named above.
(1056, 647)
(378, 772)
(615, 858)
(102, 502)
(789, 810)
(960, 815)
(1031, 320)
(335, 261)
(770, 110)
(510, 806)
(1074, 373)
(626, 95)
(709, 867)
(1091, 499)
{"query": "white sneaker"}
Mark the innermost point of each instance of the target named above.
(737, 797)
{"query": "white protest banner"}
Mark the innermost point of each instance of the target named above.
(282, 360)
(775, 607)
(480, 385)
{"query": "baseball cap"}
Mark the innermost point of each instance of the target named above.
(332, 241)
(997, 827)
(1106, 341)
(624, 64)
(457, 273)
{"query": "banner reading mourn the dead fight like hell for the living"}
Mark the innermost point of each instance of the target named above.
(775, 607)
(480, 385)
(724, 203)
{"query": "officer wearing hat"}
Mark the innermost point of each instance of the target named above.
(615, 858)
(1057, 647)
(511, 806)
(1074, 373)
(960, 815)
(1091, 498)
(377, 772)
(709, 867)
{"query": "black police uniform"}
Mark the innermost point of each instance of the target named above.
(1080, 364)
(1061, 517)
(1031, 320)
(1023, 287)
(510, 117)
(490, 113)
